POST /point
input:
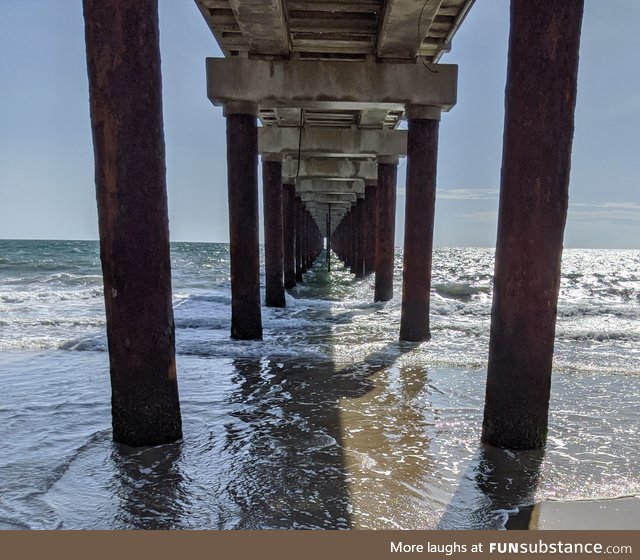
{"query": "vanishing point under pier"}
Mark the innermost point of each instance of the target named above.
(319, 91)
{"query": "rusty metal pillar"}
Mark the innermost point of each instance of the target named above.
(126, 119)
(298, 226)
(360, 239)
(540, 101)
(304, 237)
(386, 228)
(354, 238)
(422, 154)
(242, 173)
(273, 236)
(345, 243)
(313, 240)
(370, 229)
(289, 237)
(329, 238)
(307, 240)
(351, 244)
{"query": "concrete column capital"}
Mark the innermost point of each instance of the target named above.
(271, 157)
(425, 112)
(240, 108)
(388, 159)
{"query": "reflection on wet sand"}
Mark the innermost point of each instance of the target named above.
(386, 447)
(496, 482)
(285, 441)
(149, 487)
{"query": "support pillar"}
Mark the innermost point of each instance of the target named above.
(289, 236)
(304, 235)
(242, 172)
(273, 237)
(354, 238)
(307, 241)
(386, 228)
(328, 229)
(298, 224)
(126, 119)
(540, 101)
(422, 153)
(370, 229)
(360, 237)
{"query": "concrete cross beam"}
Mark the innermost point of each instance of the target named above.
(327, 85)
(404, 26)
(328, 197)
(321, 211)
(331, 142)
(329, 168)
(329, 186)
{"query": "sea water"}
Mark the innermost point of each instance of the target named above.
(329, 422)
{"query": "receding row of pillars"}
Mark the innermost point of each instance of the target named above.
(292, 238)
(365, 239)
(126, 115)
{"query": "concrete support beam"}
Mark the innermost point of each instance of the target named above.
(386, 229)
(328, 85)
(539, 118)
(289, 236)
(329, 168)
(331, 142)
(263, 25)
(418, 232)
(128, 139)
(273, 237)
(328, 198)
(242, 171)
(404, 26)
(330, 186)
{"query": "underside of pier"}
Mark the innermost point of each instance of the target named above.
(330, 95)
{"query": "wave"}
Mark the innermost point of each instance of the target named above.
(605, 335)
(94, 344)
(460, 290)
(13, 297)
(20, 321)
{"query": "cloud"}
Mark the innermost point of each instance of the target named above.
(605, 212)
(468, 194)
(461, 194)
(482, 217)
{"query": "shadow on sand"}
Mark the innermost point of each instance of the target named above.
(282, 453)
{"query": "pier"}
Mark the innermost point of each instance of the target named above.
(318, 91)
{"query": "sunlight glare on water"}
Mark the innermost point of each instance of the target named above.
(329, 422)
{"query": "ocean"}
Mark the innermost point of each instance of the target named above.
(329, 422)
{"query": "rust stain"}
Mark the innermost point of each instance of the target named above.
(171, 372)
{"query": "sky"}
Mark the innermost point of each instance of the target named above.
(46, 154)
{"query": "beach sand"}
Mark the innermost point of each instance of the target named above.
(620, 513)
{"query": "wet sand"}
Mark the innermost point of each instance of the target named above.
(619, 513)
